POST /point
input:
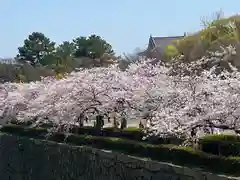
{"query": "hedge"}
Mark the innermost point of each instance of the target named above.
(131, 133)
(168, 153)
(224, 145)
(164, 152)
(38, 133)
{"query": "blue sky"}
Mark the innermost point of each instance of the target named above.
(126, 24)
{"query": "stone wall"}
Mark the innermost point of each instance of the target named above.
(28, 159)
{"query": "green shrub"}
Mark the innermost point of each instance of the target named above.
(128, 133)
(57, 137)
(131, 133)
(225, 145)
(24, 123)
(23, 73)
(171, 52)
(168, 153)
(86, 130)
(24, 131)
(221, 137)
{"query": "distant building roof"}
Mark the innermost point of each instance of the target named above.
(159, 44)
(163, 42)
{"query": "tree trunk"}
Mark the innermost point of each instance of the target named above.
(81, 120)
(99, 121)
(115, 122)
(123, 123)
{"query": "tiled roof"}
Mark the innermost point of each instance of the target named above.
(163, 42)
(159, 44)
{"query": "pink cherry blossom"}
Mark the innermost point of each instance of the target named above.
(178, 99)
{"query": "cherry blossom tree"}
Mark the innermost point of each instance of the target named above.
(199, 102)
(181, 99)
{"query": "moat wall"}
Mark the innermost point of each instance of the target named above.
(27, 159)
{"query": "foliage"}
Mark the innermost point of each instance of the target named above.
(93, 51)
(127, 133)
(64, 59)
(19, 130)
(171, 52)
(226, 145)
(92, 46)
(60, 76)
(35, 48)
(66, 49)
(168, 153)
(23, 73)
(221, 137)
(217, 32)
(40, 50)
(8, 73)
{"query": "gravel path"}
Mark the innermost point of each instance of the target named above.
(130, 123)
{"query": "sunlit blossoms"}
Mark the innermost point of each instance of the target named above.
(173, 102)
